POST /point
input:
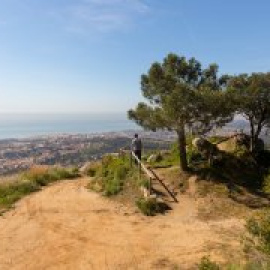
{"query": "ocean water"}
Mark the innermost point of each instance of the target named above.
(29, 125)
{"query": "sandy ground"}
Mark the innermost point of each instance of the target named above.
(65, 226)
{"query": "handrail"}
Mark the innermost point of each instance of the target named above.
(152, 175)
(142, 165)
(145, 170)
(165, 187)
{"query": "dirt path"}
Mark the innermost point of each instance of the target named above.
(67, 227)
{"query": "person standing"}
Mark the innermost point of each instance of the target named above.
(136, 146)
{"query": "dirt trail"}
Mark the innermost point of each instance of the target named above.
(67, 227)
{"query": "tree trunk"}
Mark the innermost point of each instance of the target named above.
(255, 132)
(252, 137)
(182, 148)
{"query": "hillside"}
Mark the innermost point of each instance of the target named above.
(95, 222)
(67, 227)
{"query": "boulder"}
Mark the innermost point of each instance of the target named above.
(204, 146)
(154, 158)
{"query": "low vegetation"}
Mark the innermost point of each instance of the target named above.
(31, 181)
(43, 176)
(10, 193)
(151, 207)
(258, 228)
(207, 264)
(109, 175)
(115, 177)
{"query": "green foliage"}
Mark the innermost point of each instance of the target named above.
(207, 264)
(42, 176)
(266, 184)
(259, 229)
(110, 177)
(11, 193)
(144, 182)
(150, 207)
(32, 181)
(113, 187)
(181, 94)
(93, 169)
(194, 156)
(251, 265)
(166, 159)
(250, 96)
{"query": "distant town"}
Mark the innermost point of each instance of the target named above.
(71, 149)
(74, 150)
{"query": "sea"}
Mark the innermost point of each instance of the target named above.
(13, 126)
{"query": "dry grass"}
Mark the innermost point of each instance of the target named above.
(18, 186)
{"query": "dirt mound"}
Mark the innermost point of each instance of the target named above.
(65, 226)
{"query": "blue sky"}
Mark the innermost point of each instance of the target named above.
(88, 55)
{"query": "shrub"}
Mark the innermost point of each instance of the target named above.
(113, 187)
(266, 184)
(42, 175)
(91, 172)
(31, 181)
(207, 264)
(194, 156)
(259, 229)
(144, 182)
(93, 169)
(110, 175)
(150, 206)
(11, 193)
(120, 172)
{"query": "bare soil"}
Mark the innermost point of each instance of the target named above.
(66, 226)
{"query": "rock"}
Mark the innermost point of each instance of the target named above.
(204, 145)
(155, 158)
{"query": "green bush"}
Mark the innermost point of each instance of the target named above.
(120, 172)
(266, 184)
(43, 176)
(144, 182)
(110, 175)
(207, 264)
(165, 159)
(259, 229)
(91, 172)
(116, 173)
(31, 181)
(113, 187)
(150, 206)
(93, 169)
(194, 156)
(11, 193)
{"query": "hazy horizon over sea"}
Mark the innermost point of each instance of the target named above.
(31, 125)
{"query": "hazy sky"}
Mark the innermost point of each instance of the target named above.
(88, 55)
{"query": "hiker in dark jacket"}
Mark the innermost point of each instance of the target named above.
(136, 146)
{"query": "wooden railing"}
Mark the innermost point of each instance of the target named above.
(151, 175)
(143, 167)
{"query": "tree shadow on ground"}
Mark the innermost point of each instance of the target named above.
(238, 173)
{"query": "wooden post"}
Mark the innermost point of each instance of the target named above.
(140, 170)
(152, 176)
(142, 167)
(164, 186)
(130, 157)
(150, 185)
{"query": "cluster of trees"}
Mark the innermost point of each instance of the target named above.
(181, 95)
